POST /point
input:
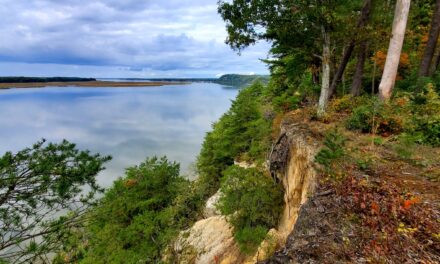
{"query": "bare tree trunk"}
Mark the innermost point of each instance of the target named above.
(356, 86)
(396, 43)
(325, 87)
(365, 16)
(432, 42)
(341, 68)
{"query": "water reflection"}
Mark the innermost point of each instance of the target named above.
(127, 123)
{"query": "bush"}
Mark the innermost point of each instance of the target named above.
(333, 149)
(249, 238)
(253, 201)
(376, 117)
(136, 219)
(426, 116)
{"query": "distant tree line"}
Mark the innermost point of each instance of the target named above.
(43, 79)
(241, 80)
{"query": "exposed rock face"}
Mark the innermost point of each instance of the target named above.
(208, 241)
(210, 208)
(244, 164)
(292, 163)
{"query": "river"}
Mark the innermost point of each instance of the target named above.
(128, 123)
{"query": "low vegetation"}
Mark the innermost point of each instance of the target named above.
(253, 201)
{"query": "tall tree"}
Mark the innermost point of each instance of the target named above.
(363, 20)
(325, 87)
(395, 49)
(432, 42)
(356, 86)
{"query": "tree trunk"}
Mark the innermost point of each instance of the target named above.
(325, 87)
(432, 42)
(396, 43)
(356, 87)
(365, 16)
(435, 64)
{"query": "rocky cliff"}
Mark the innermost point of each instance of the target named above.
(291, 162)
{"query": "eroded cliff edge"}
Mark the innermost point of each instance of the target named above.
(290, 162)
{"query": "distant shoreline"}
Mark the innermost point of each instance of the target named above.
(90, 84)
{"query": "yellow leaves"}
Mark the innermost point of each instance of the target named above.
(406, 230)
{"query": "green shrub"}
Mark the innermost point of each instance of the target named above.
(333, 149)
(431, 132)
(426, 116)
(249, 238)
(361, 119)
(374, 116)
(253, 201)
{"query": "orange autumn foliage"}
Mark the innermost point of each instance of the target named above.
(425, 38)
(380, 58)
(408, 203)
(375, 208)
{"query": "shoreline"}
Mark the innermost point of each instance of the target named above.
(91, 84)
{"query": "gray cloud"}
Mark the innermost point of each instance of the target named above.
(181, 37)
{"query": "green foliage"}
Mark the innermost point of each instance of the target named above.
(249, 238)
(426, 116)
(416, 114)
(243, 129)
(36, 184)
(285, 94)
(253, 201)
(294, 28)
(374, 116)
(136, 219)
(333, 149)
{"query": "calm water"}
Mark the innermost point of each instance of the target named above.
(127, 123)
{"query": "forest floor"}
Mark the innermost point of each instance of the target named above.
(377, 203)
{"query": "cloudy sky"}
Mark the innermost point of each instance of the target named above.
(119, 38)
